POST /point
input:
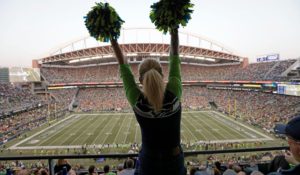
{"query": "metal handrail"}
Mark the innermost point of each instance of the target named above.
(50, 158)
(125, 155)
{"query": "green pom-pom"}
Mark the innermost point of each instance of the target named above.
(103, 22)
(167, 15)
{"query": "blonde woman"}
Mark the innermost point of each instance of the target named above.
(157, 109)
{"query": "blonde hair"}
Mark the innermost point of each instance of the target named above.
(153, 85)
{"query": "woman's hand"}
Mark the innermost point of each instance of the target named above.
(290, 158)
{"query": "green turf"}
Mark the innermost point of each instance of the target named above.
(122, 128)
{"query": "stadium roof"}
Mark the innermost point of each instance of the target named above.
(138, 43)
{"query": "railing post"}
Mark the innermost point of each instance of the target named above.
(51, 166)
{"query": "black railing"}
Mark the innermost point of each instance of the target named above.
(50, 158)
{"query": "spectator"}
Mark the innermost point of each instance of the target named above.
(61, 166)
(218, 169)
(2, 170)
(106, 170)
(119, 169)
(237, 168)
(92, 170)
(279, 162)
(129, 168)
(292, 131)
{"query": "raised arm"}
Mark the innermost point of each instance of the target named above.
(106, 30)
(118, 52)
(168, 17)
(174, 83)
(132, 90)
(174, 48)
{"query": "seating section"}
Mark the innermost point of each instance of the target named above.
(110, 73)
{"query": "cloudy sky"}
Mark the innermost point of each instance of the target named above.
(30, 29)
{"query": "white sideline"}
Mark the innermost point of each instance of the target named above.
(259, 133)
(233, 141)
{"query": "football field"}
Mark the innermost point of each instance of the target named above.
(96, 130)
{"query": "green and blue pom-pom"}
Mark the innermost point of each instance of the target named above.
(168, 15)
(103, 22)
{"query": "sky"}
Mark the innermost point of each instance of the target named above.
(29, 29)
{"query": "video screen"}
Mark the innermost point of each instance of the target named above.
(19, 74)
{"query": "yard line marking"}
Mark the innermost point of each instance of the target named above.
(30, 137)
(96, 128)
(136, 133)
(215, 127)
(69, 136)
(191, 116)
(83, 126)
(187, 128)
(102, 130)
(110, 131)
(57, 132)
(131, 129)
(212, 117)
(208, 132)
(103, 125)
(69, 132)
(124, 141)
(120, 128)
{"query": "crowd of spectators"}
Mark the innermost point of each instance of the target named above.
(85, 74)
(14, 98)
(17, 121)
(63, 97)
(216, 164)
(110, 73)
(256, 108)
(114, 99)
(21, 168)
(280, 68)
(102, 99)
(15, 125)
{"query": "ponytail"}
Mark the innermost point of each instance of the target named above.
(154, 88)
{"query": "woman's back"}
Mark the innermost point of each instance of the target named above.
(160, 131)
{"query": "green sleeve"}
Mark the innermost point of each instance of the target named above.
(132, 90)
(174, 83)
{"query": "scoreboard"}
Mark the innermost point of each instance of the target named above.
(289, 89)
(20, 74)
(265, 58)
